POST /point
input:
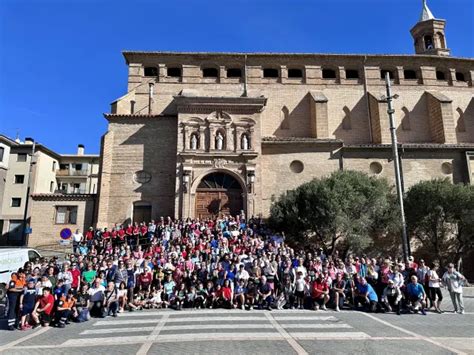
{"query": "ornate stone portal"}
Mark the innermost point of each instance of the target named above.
(217, 139)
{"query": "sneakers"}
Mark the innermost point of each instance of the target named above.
(462, 312)
(398, 312)
(423, 311)
(37, 325)
(337, 309)
(323, 307)
(11, 327)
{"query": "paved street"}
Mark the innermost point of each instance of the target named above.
(264, 332)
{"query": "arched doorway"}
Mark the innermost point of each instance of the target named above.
(218, 193)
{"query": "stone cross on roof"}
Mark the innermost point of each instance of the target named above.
(426, 13)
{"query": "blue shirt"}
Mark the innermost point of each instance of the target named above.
(369, 290)
(415, 290)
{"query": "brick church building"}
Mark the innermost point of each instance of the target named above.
(200, 134)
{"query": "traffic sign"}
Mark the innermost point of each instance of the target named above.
(65, 233)
(64, 242)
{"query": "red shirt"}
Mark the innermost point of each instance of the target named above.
(44, 301)
(121, 234)
(89, 235)
(76, 275)
(318, 288)
(144, 230)
(106, 235)
(144, 279)
(129, 230)
(226, 292)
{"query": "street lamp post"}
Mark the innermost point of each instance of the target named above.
(396, 164)
(24, 234)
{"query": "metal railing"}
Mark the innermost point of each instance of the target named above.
(71, 191)
(71, 172)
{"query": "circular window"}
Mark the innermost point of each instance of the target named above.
(447, 168)
(142, 177)
(296, 166)
(375, 167)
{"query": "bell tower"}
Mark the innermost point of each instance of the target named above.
(429, 34)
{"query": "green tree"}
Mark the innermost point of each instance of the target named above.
(440, 215)
(348, 209)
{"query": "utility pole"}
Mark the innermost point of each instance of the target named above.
(27, 199)
(245, 77)
(396, 164)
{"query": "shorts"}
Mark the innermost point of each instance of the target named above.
(45, 318)
(299, 294)
(26, 310)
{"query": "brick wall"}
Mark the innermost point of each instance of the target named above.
(43, 220)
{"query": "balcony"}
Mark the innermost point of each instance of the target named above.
(80, 191)
(71, 172)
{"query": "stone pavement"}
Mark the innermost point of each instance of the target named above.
(247, 332)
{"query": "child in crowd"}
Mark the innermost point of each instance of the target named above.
(27, 303)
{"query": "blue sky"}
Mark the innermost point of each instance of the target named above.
(61, 62)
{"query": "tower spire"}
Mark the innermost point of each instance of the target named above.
(426, 13)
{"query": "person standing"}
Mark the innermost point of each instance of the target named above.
(435, 288)
(77, 238)
(454, 282)
(15, 288)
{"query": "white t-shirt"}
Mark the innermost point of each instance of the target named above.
(77, 237)
(300, 285)
(97, 293)
(433, 275)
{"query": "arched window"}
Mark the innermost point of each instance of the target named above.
(461, 125)
(295, 73)
(151, 71)
(270, 73)
(234, 73)
(347, 120)
(174, 72)
(329, 74)
(384, 72)
(352, 74)
(440, 75)
(406, 119)
(210, 73)
(442, 41)
(460, 76)
(428, 42)
(285, 118)
(410, 74)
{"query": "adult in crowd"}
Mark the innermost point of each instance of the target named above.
(454, 282)
(213, 263)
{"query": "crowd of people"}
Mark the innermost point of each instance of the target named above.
(228, 263)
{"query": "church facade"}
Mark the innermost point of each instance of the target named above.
(203, 134)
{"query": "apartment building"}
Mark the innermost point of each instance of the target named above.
(36, 180)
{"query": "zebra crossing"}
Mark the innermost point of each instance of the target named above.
(213, 325)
